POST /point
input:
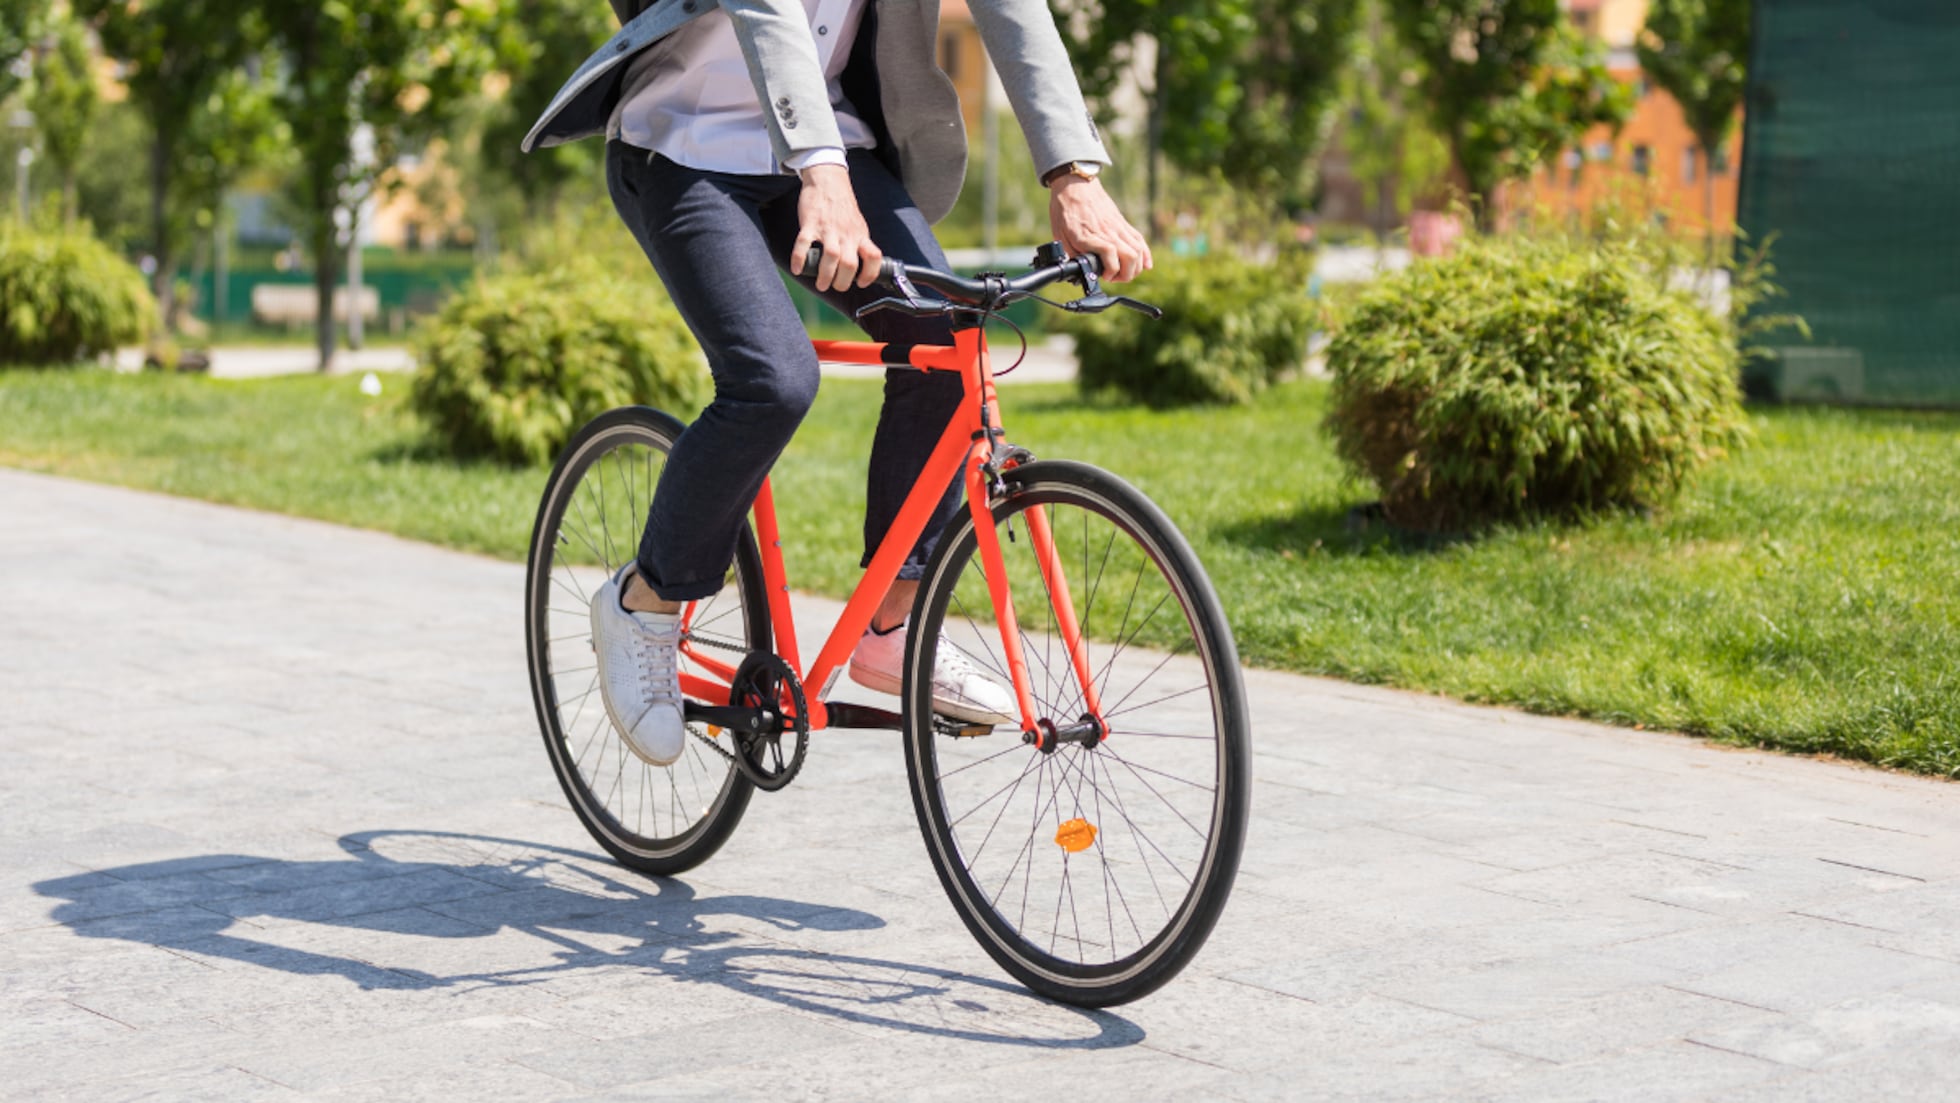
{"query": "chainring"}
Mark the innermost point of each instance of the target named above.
(762, 681)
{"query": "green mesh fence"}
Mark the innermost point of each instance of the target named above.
(1852, 158)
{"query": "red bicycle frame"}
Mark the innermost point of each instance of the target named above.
(964, 451)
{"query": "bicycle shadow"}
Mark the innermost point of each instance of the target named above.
(585, 912)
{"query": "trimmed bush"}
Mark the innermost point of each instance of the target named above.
(66, 297)
(1230, 330)
(1521, 378)
(514, 363)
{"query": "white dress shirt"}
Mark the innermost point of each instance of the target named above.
(700, 110)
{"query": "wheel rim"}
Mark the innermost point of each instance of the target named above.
(591, 529)
(1068, 904)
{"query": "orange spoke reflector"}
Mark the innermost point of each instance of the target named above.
(1075, 836)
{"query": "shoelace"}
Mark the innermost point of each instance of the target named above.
(955, 668)
(658, 658)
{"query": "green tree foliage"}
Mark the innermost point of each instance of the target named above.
(1390, 146)
(1508, 83)
(395, 70)
(175, 54)
(1291, 84)
(515, 363)
(1698, 50)
(537, 43)
(20, 26)
(65, 105)
(1243, 88)
(65, 296)
(236, 130)
(1523, 378)
(117, 212)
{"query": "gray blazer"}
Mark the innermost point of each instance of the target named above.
(893, 80)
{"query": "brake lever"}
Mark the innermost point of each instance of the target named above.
(1102, 300)
(917, 308)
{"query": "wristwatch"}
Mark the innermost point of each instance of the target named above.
(1087, 170)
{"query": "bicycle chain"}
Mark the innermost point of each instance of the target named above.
(710, 741)
(714, 744)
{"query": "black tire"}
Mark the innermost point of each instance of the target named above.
(604, 480)
(1168, 790)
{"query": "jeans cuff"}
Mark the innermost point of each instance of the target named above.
(679, 591)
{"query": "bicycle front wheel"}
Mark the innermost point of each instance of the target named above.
(1094, 871)
(656, 819)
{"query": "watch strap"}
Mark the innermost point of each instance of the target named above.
(1067, 168)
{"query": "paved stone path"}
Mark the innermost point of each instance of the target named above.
(277, 823)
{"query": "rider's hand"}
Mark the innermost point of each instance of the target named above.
(1085, 220)
(827, 213)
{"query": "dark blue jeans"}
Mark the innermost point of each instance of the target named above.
(717, 241)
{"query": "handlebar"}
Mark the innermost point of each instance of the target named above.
(992, 291)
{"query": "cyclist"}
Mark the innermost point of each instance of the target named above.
(740, 133)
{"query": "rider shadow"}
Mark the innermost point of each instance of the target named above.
(581, 914)
(1338, 531)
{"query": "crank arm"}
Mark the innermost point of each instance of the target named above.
(733, 717)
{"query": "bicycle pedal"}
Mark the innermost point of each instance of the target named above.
(960, 729)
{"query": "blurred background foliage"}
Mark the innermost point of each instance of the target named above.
(224, 145)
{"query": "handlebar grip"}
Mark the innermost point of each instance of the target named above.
(887, 268)
(1091, 264)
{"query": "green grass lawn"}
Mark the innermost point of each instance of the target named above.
(1802, 595)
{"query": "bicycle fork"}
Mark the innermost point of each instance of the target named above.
(1044, 733)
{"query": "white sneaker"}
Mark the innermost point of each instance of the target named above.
(959, 689)
(639, 678)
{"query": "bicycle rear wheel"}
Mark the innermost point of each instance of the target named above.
(1092, 873)
(659, 820)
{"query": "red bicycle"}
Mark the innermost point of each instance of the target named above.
(1091, 846)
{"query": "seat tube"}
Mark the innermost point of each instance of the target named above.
(774, 579)
(1064, 606)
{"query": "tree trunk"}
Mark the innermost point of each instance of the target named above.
(163, 281)
(325, 274)
(1384, 216)
(1154, 141)
(1708, 198)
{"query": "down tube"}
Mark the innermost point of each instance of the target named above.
(1063, 604)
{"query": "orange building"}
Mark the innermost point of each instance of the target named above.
(965, 60)
(1654, 152)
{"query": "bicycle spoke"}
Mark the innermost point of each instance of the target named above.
(1124, 643)
(571, 589)
(1138, 837)
(1109, 876)
(1109, 710)
(579, 701)
(992, 661)
(981, 762)
(1160, 700)
(1141, 838)
(1118, 876)
(601, 503)
(585, 531)
(1195, 829)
